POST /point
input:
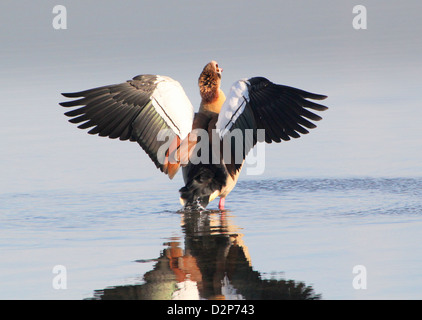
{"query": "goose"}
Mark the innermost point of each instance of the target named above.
(155, 112)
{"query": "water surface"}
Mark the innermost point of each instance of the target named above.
(304, 233)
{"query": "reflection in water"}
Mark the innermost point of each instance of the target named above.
(214, 264)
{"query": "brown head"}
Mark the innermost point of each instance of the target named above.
(209, 82)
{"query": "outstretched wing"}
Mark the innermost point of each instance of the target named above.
(150, 109)
(257, 103)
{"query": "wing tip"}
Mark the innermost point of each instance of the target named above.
(319, 107)
(71, 94)
(67, 104)
(317, 96)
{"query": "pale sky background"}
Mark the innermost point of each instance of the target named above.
(372, 78)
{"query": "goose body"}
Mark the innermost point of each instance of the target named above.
(154, 111)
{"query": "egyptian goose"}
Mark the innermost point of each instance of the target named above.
(154, 111)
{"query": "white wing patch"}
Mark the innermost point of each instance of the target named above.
(172, 104)
(233, 106)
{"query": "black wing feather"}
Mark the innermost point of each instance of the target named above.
(282, 111)
(121, 111)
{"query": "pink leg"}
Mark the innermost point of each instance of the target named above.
(221, 203)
